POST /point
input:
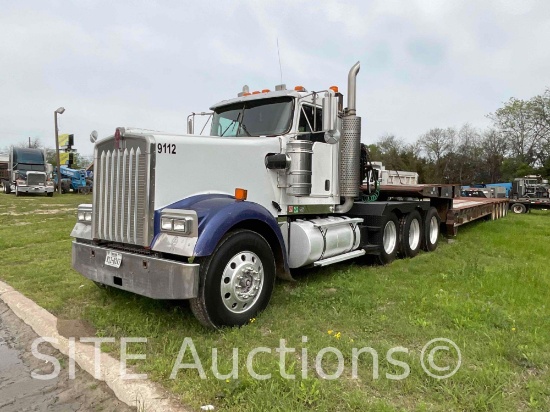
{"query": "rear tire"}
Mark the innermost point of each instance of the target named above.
(432, 224)
(236, 281)
(65, 186)
(410, 234)
(518, 208)
(49, 194)
(389, 239)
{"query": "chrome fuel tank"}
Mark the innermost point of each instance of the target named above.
(308, 241)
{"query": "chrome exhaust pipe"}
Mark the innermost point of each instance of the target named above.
(350, 147)
(352, 88)
(344, 207)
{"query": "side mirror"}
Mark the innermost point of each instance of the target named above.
(330, 119)
(93, 136)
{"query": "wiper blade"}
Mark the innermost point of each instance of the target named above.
(231, 124)
(245, 130)
(242, 126)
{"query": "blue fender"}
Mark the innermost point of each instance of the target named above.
(217, 214)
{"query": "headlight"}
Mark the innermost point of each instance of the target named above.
(84, 213)
(180, 225)
(179, 222)
(166, 223)
(84, 216)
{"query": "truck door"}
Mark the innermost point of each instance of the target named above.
(311, 123)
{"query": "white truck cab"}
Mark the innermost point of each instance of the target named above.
(276, 185)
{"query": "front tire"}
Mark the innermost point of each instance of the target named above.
(236, 281)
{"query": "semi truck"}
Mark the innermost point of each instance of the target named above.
(524, 193)
(27, 173)
(529, 192)
(276, 185)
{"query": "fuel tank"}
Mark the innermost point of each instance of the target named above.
(311, 240)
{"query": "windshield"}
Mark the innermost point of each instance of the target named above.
(23, 168)
(270, 117)
(28, 156)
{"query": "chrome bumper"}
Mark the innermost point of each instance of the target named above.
(35, 189)
(140, 274)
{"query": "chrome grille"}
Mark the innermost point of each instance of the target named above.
(121, 193)
(34, 179)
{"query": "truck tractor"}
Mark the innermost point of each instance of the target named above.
(27, 173)
(529, 192)
(275, 186)
(530, 186)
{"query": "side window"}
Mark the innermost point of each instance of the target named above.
(311, 119)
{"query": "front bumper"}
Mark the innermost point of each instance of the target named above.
(140, 274)
(35, 189)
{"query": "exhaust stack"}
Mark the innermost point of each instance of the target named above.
(352, 88)
(350, 146)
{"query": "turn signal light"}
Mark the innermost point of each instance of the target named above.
(240, 194)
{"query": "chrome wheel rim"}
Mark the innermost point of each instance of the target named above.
(390, 237)
(242, 282)
(414, 234)
(434, 230)
(517, 209)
